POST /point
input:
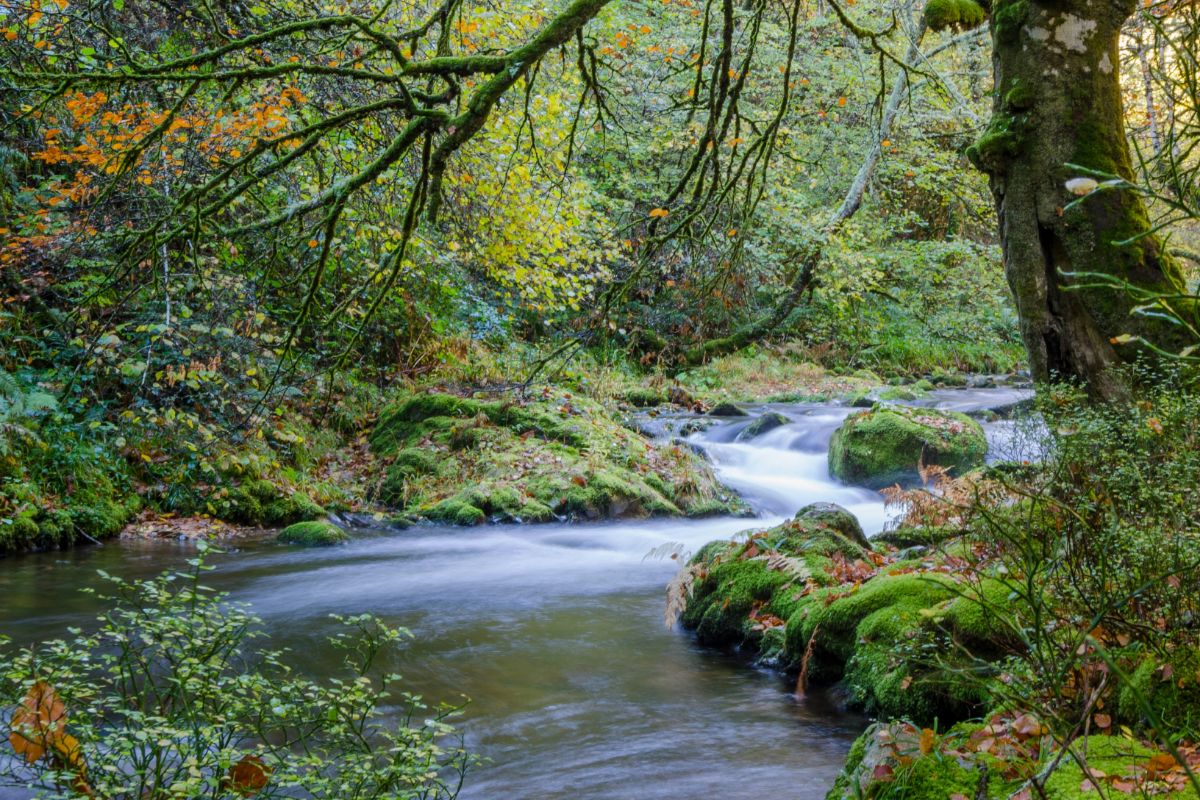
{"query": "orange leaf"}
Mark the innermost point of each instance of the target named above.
(38, 722)
(927, 738)
(841, 101)
(249, 776)
(659, 212)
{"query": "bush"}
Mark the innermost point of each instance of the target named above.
(169, 699)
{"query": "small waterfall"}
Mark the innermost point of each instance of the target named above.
(781, 471)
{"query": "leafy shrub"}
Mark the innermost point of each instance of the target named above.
(169, 699)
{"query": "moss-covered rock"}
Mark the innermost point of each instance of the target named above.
(805, 596)
(837, 519)
(887, 444)
(767, 422)
(726, 410)
(463, 461)
(457, 512)
(312, 533)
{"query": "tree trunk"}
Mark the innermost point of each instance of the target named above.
(1058, 101)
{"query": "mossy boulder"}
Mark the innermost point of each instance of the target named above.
(465, 461)
(312, 533)
(887, 444)
(764, 424)
(745, 589)
(837, 519)
(456, 511)
(805, 596)
(726, 410)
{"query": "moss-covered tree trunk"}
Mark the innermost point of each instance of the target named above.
(1058, 101)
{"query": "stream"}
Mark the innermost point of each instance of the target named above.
(554, 632)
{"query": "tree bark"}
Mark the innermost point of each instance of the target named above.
(1058, 101)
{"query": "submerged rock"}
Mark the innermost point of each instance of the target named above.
(767, 422)
(887, 444)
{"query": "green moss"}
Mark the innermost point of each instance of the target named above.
(1109, 755)
(1163, 693)
(313, 533)
(835, 518)
(1021, 97)
(960, 14)
(767, 422)
(643, 397)
(1000, 142)
(941, 14)
(1008, 17)
(885, 445)
(456, 512)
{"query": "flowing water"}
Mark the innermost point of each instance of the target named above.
(554, 632)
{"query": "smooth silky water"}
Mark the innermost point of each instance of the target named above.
(553, 632)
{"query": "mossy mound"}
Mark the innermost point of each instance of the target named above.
(743, 590)
(464, 461)
(900, 761)
(95, 503)
(887, 444)
(258, 501)
(805, 596)
(313, 533)
(1163, 693)
(837, 519)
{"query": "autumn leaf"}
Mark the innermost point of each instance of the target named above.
(659, 212)
(38, 722)
(1103, 721)
(927, 740)
(249, 776)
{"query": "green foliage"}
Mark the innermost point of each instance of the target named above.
(171, 696)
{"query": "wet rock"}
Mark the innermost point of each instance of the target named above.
(693, 446)
(726, 410)
(767, 422)
(695, 426)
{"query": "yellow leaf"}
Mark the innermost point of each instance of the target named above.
(659, 212)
